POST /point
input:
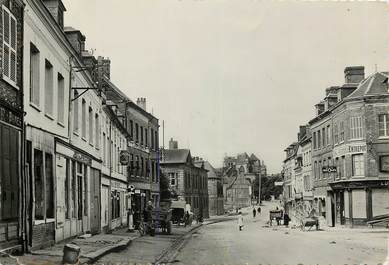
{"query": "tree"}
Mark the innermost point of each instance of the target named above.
(268, 187)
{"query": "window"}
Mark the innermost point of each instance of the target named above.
(115, 202)
(358, 165)
(328, 135)
(337, 165)
(67, 188)
(61, 98)
(156, 139)
(146, 137)
(324, 137)
(97, 132)
(141, 135)
(83, 118)
(49, 177)
(343, 169)
(38, 184)
(314, 140)
(49, 91)
(341, 132)
(356, 129)
(136, 132)
(85, 190)
(142, 167)
(34, 75)
(74, 189)
(9, 46)
(90, 123)
(318, 139)
(336, 136)
(383, 125)
(173, 180)
(152, 138)
(75, 112)
(131, 129)
(104, 148)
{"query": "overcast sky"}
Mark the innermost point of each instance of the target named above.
(232, 76)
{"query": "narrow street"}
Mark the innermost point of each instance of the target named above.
(222, 243)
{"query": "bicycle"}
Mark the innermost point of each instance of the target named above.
(146, 228)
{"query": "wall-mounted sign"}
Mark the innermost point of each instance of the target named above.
(83, 159)
(357, 148)
(329, 169)
(124, 157)
(278, 183)
(384, 163)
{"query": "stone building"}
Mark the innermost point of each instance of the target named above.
(12, 216)
(289, 175)
(239, 174)
(215, 188)
(186, 179)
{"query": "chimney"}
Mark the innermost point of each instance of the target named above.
(319, 108)
(76, 39)
(173, 145)
(302, 132)
(56, 9)
(331, 97)
(103, 67)
(141, 102)
(354, 74)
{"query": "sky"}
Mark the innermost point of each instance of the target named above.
(232, 76)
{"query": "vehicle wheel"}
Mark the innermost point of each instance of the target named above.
(169, 228)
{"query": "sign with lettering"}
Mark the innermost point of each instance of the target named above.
(329, 169)
(384, 163)
(82, 158)
(278, 183)
(357, 148)
(349, 149)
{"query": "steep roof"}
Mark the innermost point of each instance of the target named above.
(211, 170)
(176, 156)
(375, 84)
(254, 157)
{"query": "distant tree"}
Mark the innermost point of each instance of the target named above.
(164, 187)
(268, 187)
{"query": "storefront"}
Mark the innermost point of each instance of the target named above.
(77, 192)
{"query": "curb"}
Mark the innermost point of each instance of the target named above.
(94, 256)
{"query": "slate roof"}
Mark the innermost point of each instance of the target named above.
(211, 170)
(175, 156)
(376, 84)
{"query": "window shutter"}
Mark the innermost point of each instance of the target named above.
(9, 45)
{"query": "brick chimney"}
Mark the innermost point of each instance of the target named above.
(56, 9)
(173, 145)
(104, 67)
(76, 39)
(141, 102)
(319, 108)
(331, 97)
(354, 74)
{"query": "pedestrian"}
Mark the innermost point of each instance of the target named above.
(254, 212)
(286, 219)
(240, 221)
(259, 210)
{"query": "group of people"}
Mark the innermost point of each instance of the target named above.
(240, 217)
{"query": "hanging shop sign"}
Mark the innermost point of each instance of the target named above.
(124, 157)
(384, 163)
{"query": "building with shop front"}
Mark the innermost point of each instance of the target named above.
(187, 180)
(289, 176)
(12, 214)
(361, 155)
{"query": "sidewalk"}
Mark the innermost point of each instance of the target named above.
(92, 248)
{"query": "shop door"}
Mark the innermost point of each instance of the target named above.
(104, 205)
(95, 201)
(340, 207)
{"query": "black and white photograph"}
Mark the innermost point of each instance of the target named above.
(194, 132)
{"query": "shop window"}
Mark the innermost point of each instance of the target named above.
(67, 185)
(49, 177)
(74, 189)
(115, 202)
(85, 190)
(38, 185)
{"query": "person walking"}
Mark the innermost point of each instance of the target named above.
(286, 219)
(259, 210)
(254, 212)
(240, 221)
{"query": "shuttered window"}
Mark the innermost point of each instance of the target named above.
(9, 46)
(356, 129)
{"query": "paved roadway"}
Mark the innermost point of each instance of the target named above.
(222, 243)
